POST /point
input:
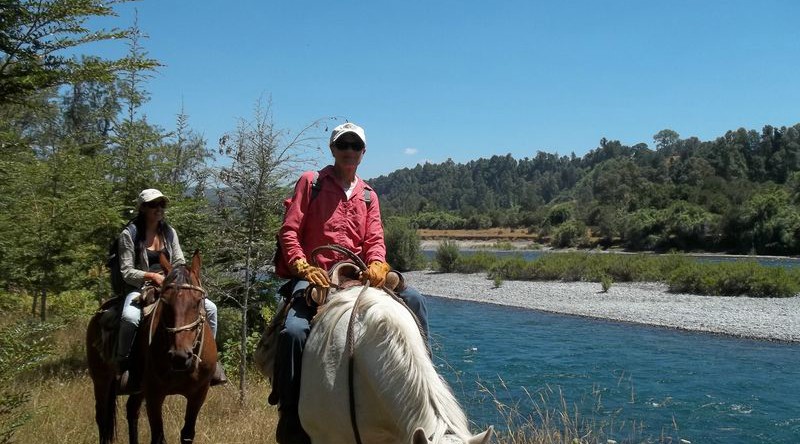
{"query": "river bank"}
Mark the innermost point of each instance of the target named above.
(773, 319)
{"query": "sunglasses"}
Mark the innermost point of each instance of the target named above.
(155, 204)
(344, 146)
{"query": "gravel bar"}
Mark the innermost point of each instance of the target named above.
(774, 319)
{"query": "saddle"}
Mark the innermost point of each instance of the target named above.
(110, 313)
(343, 275)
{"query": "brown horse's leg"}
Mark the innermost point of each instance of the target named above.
(154, 402)
(193, 405)
(132, 412)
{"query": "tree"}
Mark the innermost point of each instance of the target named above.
(665, 139)
(36, 34)
(250, 206)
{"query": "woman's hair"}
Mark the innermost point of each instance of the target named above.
(141, 233)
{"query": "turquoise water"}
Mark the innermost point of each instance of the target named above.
(672, 385)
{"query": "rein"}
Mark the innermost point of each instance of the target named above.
(350, 341)
(199, 338)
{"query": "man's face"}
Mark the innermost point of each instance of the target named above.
(348, 150)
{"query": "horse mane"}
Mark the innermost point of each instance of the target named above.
(179, 275)
(390, 329)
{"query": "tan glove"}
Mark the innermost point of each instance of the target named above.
(376, 273)
(315, 275)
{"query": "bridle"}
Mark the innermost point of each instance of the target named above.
(197, 324)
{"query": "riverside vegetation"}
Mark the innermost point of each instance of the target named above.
(681, 273)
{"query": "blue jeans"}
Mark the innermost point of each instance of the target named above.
(292, 340)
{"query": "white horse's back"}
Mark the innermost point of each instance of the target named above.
(397, 389)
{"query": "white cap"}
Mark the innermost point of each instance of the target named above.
(150, 195)
(345, 128)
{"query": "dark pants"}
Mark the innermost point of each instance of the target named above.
(292, 341)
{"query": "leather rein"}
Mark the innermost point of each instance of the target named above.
(199, 337)
(350, 339)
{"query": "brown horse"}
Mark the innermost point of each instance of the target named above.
(175, 350)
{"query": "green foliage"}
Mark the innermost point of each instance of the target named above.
(23, 347)
(687, 194)
(735, 279)
(503, 245)
(569, 234)
(74, 304)
(605, 283)
(36, 36)
(560, 213)
(475, 262)
(232, 357)
(497, 281)
(439, 220)
(402, 245)
(447, 256)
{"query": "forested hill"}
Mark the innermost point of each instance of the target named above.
(736, 193)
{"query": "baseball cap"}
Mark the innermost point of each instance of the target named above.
(150, 195)
(345, 128)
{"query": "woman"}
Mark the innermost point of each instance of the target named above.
(333, 206)
(141, 243)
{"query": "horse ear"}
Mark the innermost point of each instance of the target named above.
(483, 438)
(165, 265)
(197, 260)
(419, 437)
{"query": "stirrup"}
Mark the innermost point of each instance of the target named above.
(126, 385)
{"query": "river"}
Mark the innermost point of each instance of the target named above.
(665, 384)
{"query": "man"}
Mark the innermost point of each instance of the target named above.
(333, 206)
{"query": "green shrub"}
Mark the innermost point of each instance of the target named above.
(24, 346)
(569, 234)
(734, 279)
(73, 304)
(447, 256)
(605, 283)
(503, 245)
(498, 282)
(402, 245)
(477, 262)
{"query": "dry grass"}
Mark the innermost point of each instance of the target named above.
(63, 412)
(486, 234)
(62, 405)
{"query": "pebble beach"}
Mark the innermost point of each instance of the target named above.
(773, 319)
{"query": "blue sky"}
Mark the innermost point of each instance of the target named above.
(431, 80)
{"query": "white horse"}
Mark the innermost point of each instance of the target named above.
(399, 397)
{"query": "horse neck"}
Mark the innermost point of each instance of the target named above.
(391, 341)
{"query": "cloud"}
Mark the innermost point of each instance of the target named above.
(410, 151)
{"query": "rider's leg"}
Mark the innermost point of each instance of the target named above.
(128, 325)
(211, 314)
(291, 342)
(417, 303)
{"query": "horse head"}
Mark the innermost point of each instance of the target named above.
(481, 438)
(182, 313)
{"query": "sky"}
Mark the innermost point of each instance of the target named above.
(432, 80)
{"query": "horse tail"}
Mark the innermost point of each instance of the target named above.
(108, 426)
(104, 383)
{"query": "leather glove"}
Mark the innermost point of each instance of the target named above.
(310, 273)
(376, 273)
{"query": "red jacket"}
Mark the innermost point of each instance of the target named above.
(330, 218)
